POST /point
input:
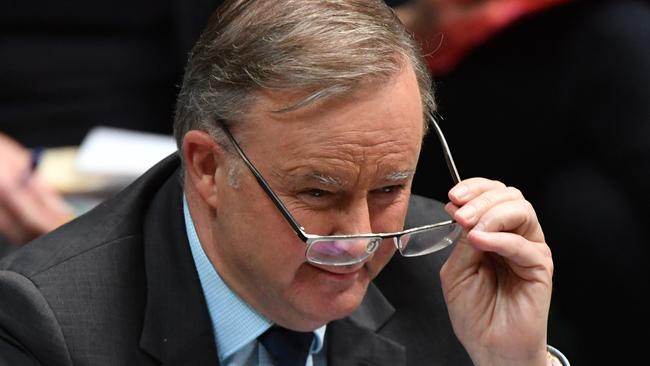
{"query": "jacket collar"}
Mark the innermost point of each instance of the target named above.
(355, 340)
(177, 328)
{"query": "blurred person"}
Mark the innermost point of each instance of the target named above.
(299, 126)
(28, 207)
(68, 67)
(555, 95)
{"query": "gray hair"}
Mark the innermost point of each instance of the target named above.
(326, 47)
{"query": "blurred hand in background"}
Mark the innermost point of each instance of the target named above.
(28, 207)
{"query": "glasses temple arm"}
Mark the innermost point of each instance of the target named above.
(265, 186)
(445, 150)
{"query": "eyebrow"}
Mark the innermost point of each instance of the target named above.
(325, 179)
(397, 176)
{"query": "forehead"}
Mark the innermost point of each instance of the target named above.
(378, 124)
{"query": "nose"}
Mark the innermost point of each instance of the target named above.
(350, 219)
(353, 218)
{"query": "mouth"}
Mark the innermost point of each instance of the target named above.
(340, 272)
(334, 282)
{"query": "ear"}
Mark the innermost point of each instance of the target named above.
(203, 159)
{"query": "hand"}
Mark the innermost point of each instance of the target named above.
(497, 281)
(28, 207)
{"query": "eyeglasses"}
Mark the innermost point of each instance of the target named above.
(345, 250)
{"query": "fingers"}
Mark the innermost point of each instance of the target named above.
(49, 198)
(500, 220)
(516, 249)
(516, 216)
(14, 161)
(12, 232)
(473, 196)
(29, 210)
(491, 206)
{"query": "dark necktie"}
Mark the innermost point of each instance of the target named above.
(287, 347)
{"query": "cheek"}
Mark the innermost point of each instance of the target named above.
(380, 258)
(274, 246)
(257, 236)
(259, 222)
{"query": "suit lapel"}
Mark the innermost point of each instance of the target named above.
(354, 340)
(177, 329)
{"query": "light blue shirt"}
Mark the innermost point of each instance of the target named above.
(236, 325)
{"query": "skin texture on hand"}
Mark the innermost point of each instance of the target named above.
(28, 207)
(497, 282)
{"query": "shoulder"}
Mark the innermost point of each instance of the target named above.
(70, 286)
(28, 328)
(116, 221)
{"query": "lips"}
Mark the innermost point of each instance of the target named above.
(333, 281)
(342, 271)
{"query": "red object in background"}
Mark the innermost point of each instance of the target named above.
(464, 25)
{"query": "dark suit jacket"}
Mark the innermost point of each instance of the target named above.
(118, 286)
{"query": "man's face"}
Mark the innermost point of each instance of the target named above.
(341, 166)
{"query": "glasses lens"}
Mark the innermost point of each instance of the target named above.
(341, 252)
(429, 241)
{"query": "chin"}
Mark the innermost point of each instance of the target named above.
(346, 306)
(335, 306)
(319, 296)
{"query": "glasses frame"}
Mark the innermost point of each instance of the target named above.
(309, 239)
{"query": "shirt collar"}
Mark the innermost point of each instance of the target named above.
(234, 323)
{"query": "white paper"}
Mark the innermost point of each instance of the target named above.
(122, 155)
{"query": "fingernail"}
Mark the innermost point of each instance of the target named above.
(459, 191)
(479, 227)
(467, 212)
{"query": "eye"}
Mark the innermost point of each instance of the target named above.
(316, 193)
(316, 198)
(390, 189)
(387, 195)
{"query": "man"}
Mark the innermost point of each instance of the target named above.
(299, 125)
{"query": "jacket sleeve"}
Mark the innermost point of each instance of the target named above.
(29, 331)
(12, 353)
